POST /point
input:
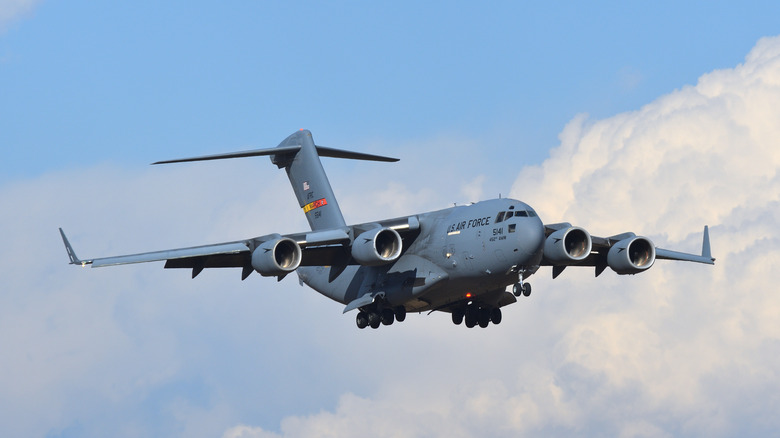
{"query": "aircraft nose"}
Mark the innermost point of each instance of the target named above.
(530, 238)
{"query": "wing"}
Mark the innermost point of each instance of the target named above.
(229, 254)
(318, 248)
(625, 253)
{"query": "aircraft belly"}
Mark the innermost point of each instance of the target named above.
(398, 283)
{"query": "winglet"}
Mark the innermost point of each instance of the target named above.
(706, 251)
(74, 260)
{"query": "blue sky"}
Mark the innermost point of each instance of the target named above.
(85, 83)
(614, 116)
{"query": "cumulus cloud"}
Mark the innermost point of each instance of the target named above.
(680, 350)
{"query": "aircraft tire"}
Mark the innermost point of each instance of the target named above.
(495, 316)
(387, 317)
(362, 320)
(471, 317)
(374, 319)
(517, 289)
(527, 289)
(457, 317)
(400, 313)
(484, 317)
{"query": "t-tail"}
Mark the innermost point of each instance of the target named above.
(300, 158)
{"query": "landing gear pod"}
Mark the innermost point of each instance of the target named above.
(631, 256)
(377, 247)
(276, 257)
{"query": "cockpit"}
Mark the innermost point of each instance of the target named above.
(506, 215)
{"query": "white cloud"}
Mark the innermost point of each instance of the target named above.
(680, 350)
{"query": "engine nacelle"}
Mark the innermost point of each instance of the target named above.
(276, 257)
(377, 247)
(568, 245)
(631, 256)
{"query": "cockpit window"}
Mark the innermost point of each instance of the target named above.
(500, 217)
(521, 213)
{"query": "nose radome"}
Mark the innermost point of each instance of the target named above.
(531, 237)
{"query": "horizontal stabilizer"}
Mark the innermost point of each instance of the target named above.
(340, 153)
(282, 150)
(243, 154)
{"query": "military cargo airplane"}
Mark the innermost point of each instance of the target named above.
(459, 260)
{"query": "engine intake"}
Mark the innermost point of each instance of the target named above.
(568, 245)
(276, 257)
(377, 247)
(631, 256)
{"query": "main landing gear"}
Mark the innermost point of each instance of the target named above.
(521, 289)
(475, 315)
(374, 316)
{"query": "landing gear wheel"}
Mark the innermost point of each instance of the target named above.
(400, 313)
(457, 317)
(526, 289)
(471, 317)
(484, 317)
(362, 320)
(517, 289)
(387, 317)
(495, 316)
(374, 320)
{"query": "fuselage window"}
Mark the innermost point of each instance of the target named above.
(512, 228)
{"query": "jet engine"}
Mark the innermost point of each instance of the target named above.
(631, 256)
(568, 245)
(276, 257)
(377, 247)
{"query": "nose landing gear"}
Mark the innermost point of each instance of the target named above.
(521, 289)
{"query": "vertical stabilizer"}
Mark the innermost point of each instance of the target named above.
(309, 182)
